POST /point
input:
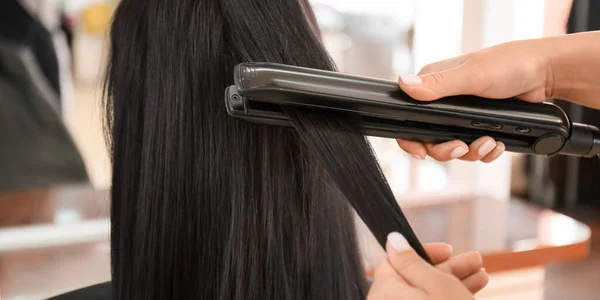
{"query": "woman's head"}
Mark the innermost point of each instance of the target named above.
(206, 206)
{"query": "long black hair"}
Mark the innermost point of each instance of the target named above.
(208, 207)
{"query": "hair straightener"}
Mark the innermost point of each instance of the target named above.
(384, 110)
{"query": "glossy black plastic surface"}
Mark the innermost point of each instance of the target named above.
(261, 88)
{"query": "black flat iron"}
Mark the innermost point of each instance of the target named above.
(384, 110)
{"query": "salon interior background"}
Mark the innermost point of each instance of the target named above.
(377, 38)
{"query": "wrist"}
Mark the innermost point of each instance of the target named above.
(558, 73)
(572, 67)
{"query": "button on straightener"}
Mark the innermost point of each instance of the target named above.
(261, 89)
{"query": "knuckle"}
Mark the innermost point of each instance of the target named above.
(427, 69)
(404, 146)
(438, 78)
(469, 157)
(437, 87)
(440, 157)
(438, 154)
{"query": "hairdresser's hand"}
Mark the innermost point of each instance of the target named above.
(515, 69)
(404, 275)
(563, 67)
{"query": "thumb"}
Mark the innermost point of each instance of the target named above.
(412, 268)
(460, 80)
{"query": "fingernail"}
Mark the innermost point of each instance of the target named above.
(411, 79)
(483, 269)
(486, 148)
(416, 157)
(397, 241)
(458, 152)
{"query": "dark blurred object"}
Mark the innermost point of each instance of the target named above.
(576, 180)
(21, 28)
(101, 291)
(37, 149)
(66, 26)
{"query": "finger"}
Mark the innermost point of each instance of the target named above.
(462, 266)
(412, 268)
(461, 80)
(477, 281)
(535, 96)
(479, 149)
(385, 269)
(438, 252)
(415, 149)
(495, 153)
(447, 151)
(444, 64)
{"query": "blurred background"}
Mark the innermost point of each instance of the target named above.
(533, 218)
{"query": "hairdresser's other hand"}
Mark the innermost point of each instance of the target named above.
(404, 275)
(516, 69)
(467, 266)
